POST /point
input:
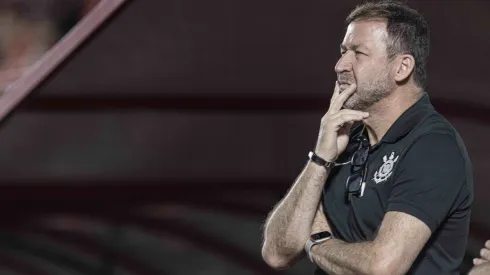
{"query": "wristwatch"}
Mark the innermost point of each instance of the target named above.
(315, 239)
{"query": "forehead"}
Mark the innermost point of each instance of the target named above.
(368, 33)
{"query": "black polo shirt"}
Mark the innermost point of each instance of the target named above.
(420, 167)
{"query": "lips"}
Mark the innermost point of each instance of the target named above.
(344, 85)
(345, 79)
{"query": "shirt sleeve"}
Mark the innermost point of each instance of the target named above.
(429, 179)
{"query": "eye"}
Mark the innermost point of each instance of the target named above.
(358, 52)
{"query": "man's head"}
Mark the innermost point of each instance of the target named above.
(386, 46)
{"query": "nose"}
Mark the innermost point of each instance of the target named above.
(343, 65)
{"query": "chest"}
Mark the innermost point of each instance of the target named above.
(359, 217)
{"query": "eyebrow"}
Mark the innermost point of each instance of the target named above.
(353, 47)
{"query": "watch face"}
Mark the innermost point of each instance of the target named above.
(321, 235)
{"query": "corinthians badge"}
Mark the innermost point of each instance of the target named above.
(385, 171)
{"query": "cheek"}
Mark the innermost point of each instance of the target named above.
(364, 68)
(372, 73)
(363, 75)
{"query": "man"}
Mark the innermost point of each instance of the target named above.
(482, 265)
(393, 194)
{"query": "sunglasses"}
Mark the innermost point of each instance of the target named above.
(356, 181)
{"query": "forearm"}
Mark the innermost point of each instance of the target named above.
(289, 224)
(338, 257)
(482, 269)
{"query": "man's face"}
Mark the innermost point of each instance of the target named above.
(364, 61)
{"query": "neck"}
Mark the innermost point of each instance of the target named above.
(384, 113)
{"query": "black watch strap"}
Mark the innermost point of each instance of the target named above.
(320, 161)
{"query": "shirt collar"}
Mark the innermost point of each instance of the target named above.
(409, 119)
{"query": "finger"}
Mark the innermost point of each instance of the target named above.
(341, 119)
(487, 244)
(485, 254)
(343, 96)
(329, 116)
(353, 112)
(344, 114)
(336, 92)
(478, 261)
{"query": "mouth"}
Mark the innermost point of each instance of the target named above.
(345, 80)
(343, 85)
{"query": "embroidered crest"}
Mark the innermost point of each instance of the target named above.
(385, 171)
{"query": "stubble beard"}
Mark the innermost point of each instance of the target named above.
(369, 94)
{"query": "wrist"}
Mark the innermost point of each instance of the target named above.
(324, 154)
(323, 148)
(318, 160)
(314, 241)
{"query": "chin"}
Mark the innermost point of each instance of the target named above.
(357, 105)
(353, 104)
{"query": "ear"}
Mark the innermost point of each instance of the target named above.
(404, 66)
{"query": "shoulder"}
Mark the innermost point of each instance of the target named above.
(435, 146)
(436, 132)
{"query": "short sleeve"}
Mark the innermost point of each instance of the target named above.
(429, 179)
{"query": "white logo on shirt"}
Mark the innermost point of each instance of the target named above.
(385, 171)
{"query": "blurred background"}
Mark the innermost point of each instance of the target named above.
(155, 136)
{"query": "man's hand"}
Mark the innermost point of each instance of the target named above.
(289, 225)
(336, 123)
(482, 264)
(398, 243)
(484, 255)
